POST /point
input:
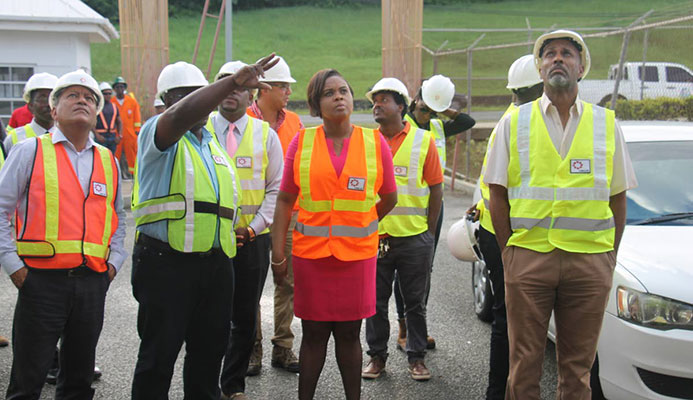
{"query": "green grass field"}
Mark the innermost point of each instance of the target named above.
(348, 39)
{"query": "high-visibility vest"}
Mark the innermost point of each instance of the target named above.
(17, 135)
(61, 228)
(436, 128)
(192, 209)
(2, 158)
(410, 215)
(561, 203)
(337, 215)
(107, 127)
(251, 166)
(482, 205)
(287, 130)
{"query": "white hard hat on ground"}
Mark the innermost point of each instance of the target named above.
(179, 75)
(462, 240)
(42, 80)
(523, 73)
(389, 85)
(229, 68)
(77, 78)
(280, 72)
(437, 92)
(105, 86)
(158, 102)
(573, 37)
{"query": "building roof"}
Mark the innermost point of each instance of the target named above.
(55, 16)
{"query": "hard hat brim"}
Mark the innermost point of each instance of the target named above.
(563, 34)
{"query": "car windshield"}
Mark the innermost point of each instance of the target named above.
(665, 188)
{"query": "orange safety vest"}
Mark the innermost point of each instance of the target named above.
(337, 215)
(288, 128)
(63, 228)
(107, 127)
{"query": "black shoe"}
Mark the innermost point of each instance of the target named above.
(52, 376)
(97, 374)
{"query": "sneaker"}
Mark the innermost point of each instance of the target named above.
(430, 343)
(4, 342)
(374, 368)
(284, 358)
(418, 371)
(255, 364)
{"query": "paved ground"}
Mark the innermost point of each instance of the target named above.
(459, 364)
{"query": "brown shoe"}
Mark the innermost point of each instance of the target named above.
(375, 368)
(255, 364)
(418, 371)
(285, 358)
(430, 343)
(402, 336)
(4, 342)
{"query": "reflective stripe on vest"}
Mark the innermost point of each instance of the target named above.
(438, 132)
(409, 217)
(63, 228)
(107, 127)
(251, 167)
(337, 215)
(2, 158)
(561, 203)
(482, 206)
(26, 133)
(192, 209)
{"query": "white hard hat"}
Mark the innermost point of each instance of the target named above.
(462, 240)
(574, 37)
(280, 72)
(389, 85)
(437, 92)
(76, 78)
(523, 73)
(158, 102)
(179, 75)
(42, 80)
(229, 68)
(105, 86)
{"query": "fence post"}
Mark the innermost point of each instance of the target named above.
(622, 59)
(644, 59)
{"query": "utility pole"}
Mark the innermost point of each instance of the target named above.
(228, 29)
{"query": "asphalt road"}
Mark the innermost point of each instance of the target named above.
(459, 364)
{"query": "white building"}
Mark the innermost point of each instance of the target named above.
(45, 36)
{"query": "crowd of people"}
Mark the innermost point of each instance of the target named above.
(227, 182)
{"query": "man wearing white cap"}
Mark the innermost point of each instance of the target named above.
(557, 172)
(36, 93)
(69, 246)
(108, 130)
(270, 106)
(159, 106)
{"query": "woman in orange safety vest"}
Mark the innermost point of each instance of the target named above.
(336, 171)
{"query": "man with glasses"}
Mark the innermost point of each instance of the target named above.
(270, 106)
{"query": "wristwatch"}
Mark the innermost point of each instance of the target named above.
(251, 234)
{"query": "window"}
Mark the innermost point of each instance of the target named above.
(12, 80)
(651, 74)
(676, 74)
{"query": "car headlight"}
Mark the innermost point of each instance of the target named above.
(653, 311)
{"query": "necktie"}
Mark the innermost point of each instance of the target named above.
(231, 144)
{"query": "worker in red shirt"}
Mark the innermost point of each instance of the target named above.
(131, 121)
(20, 117)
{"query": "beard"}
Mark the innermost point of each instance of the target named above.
(559, 81)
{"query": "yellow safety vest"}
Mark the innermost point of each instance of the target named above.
(561, 203)
(251, 166)
(410, 215)
(438, 132)
(2, 158)
(482, 205)
(192, 208)
(28, 132)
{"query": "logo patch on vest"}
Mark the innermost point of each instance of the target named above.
(100, 189)
(358, 184)
(244, 162)
(219, 160)
(580, 166)
(400, 170)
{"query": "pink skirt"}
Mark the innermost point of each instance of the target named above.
(327, 289)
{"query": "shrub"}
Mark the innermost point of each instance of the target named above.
(662, 108)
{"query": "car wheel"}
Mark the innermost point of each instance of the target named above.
(481, 289)
(595, 383)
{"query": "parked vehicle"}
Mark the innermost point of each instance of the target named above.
(660, 79)
(645, 347)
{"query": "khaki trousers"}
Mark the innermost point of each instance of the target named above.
(283, 300)
(573, 285)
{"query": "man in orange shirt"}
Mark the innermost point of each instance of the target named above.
(131, 121)
(270, 106)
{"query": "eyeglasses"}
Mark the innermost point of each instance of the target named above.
(427, 110)
(283, 85)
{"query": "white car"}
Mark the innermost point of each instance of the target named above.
(645, 348)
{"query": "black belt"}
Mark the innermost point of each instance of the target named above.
(76, 272)
(213, 208)
(164, 247)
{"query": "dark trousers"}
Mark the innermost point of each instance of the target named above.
(50, 306)
(250, 267)
(399, 302)
(498, 364)
(183, 298)
(410, 257)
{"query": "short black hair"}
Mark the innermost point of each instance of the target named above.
(317, 85)
(399, 100)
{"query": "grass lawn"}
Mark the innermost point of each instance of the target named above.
(348, 39)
